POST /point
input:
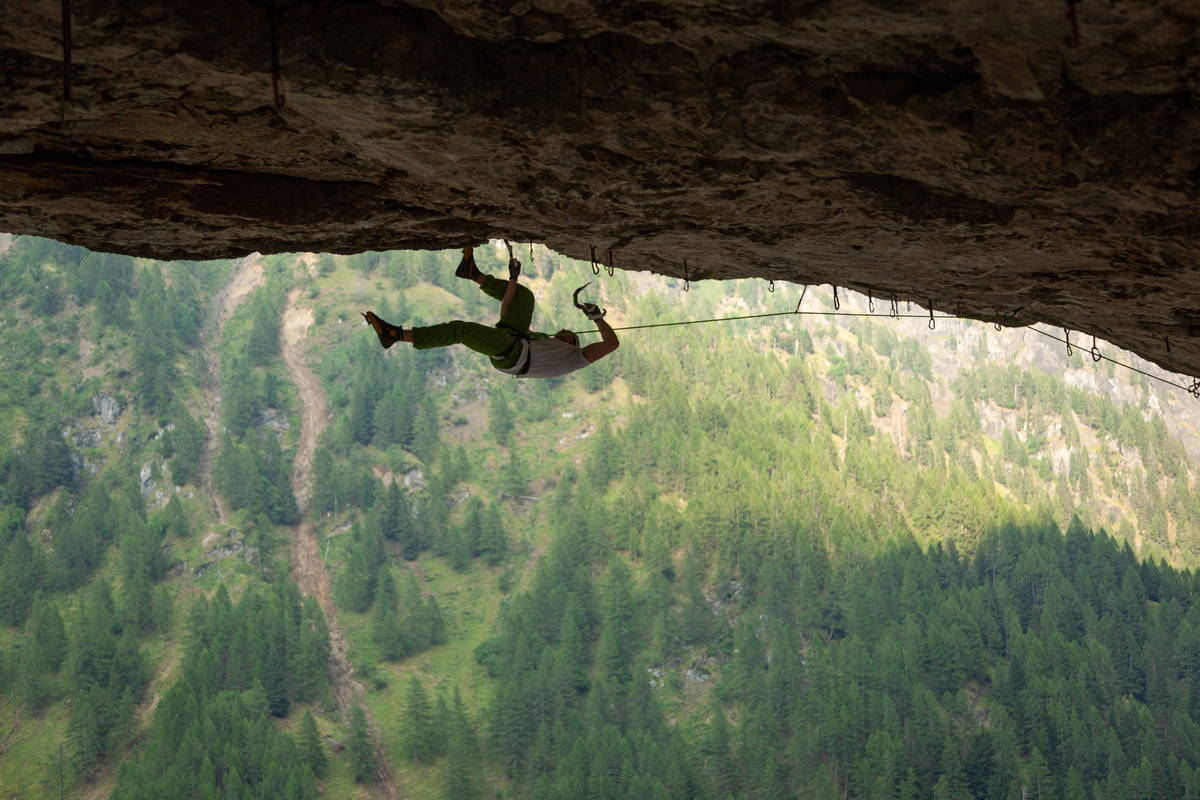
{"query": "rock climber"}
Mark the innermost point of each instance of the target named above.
(511, 345)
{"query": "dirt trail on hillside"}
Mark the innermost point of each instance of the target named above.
(308, 567)
(247, 276)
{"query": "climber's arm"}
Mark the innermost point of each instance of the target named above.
(608, 342)
(510, 291)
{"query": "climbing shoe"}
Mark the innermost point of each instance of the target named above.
(466, 267)
(388, 334)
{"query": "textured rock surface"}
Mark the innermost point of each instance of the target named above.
(945, 151)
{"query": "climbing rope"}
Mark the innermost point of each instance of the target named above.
(1192, 389)
(893, 312)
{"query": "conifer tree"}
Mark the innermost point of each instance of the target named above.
(361, 747)
(574, 647)
(514, 478)
(19, 574)
(425, 431)
(437, 623)
(46, 628)
(263, 344)
(500, 418)
(172, 520)
(491, 544)
(396, 517)
(952, 782)
(393, 642)
(311, 748)
(418, 724)
(458, 547)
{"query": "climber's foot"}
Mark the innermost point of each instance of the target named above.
(466, 267)
(388, 333)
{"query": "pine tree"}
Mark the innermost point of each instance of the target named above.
(458, 548)
(491, 544)
(500, 419)
(312, 751)
(425, 433)
(514, 478)
(392, 640)
(20, 572)
(952, 781)
(263, 344)
(172, 519)
(396, 518)
(361, 747)
(46, 628)
(418, 731)
(437, 623)
(573, 645)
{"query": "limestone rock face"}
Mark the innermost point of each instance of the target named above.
(954, 153)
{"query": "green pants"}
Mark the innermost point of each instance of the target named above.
(494, 341)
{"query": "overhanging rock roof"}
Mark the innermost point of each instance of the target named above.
(948, 152)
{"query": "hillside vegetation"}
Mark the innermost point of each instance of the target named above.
(803, 556)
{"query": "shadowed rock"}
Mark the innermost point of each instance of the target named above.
(953, 152)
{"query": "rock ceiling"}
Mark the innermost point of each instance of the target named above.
(972, 155)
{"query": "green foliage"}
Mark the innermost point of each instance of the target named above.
(155, 343)
(186, 442)
(242, 663)
(422, 739)
(361, 747)
(312, 751)
(263, 344)
(354, 588)
(255, 475)
(807, 589)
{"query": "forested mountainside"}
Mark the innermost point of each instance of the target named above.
(246, 552)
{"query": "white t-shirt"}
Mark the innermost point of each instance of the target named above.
(548, 358)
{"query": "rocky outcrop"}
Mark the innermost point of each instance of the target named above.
(959, 154)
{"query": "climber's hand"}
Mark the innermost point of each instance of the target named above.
(592, 311)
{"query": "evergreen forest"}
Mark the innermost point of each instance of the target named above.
(247, 553)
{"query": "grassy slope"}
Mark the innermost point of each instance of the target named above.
(201, 561)
(471, 600)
